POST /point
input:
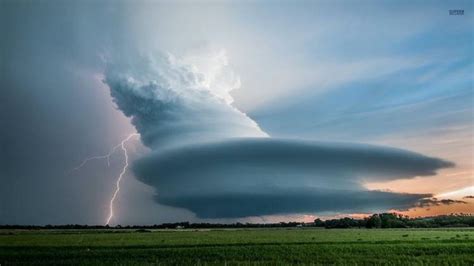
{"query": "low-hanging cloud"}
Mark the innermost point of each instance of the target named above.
(429, 202)
(251, 176)
(214, 160)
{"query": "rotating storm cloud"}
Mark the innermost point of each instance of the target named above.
(212, 159)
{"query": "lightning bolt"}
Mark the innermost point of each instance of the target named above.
(99, 157)
(122, 173)
(117, 184)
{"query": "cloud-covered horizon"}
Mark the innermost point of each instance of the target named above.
(212, 159)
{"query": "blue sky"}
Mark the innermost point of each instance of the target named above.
(394, 74)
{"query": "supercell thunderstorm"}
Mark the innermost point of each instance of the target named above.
(211, 158)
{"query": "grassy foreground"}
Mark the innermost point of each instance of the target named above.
(239, 247)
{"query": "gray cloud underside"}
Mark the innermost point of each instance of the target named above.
(272, 201)
(255, 176)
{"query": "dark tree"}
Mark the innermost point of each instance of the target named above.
(374, 221)
(318, 223)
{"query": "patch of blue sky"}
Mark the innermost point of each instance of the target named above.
(390, 104)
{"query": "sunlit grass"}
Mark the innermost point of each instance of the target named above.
(264, 246)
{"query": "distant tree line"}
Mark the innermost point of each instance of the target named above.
(179, 225)
(393, 220)
(381, 220)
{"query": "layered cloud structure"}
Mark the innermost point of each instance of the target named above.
(212, 159)
(179, 101)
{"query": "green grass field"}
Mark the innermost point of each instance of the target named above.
(239, 247)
